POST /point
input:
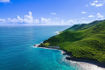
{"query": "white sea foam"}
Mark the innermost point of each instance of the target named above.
(57, 32)
(33, 46)
(87, 66)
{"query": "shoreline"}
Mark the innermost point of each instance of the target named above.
(84, 64)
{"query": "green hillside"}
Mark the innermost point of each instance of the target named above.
(83, 26)
(83, 41)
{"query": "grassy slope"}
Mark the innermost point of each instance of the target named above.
(87, 41)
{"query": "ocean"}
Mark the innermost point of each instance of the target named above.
(17, 51)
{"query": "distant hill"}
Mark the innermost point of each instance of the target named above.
(83, 26)
(85, 41)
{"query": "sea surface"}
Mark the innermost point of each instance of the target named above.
(18, 53)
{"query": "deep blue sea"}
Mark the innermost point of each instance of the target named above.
(17, 51)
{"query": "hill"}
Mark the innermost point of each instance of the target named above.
(85, 41)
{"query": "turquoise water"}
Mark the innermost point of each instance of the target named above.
(17, 51)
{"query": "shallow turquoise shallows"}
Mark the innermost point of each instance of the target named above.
(17, 51)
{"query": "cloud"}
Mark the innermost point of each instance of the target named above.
(4, 0)
(36, 21)
(91, 16)
(45, 20)
(2, 20)
(83, 12)
(53, 13)
(98, 3)
(27, 19)
(100, 16)
(12, 20)
(20, 19)
(97, 16)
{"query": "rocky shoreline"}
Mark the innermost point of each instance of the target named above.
(85, 60)
(79, 61)
(91, 61)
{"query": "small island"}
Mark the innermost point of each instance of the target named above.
(82, 42)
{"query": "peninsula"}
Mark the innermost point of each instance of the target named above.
(83, 42)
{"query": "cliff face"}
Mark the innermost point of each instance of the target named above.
(83, 41)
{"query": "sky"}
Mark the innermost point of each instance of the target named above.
(50, 12)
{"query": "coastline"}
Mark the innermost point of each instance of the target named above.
(82, 63)
(86, 66)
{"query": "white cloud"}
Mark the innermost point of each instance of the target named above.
(98, 3)
(91, 16)
(4, 0)
(53, 13)
(36, 21)
(100, 16)
(28, 18)
(12, 20)
(20, 19)
(45, 20)
(71, 21)
(83, 12)
(2, 20)
(78, 21)
(97, 16)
